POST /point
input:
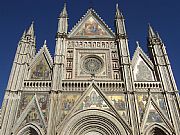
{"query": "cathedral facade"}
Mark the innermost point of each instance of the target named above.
(91, 86)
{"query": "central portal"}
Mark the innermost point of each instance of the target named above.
(92, 122)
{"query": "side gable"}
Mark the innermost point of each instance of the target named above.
(91, 26)
(143, 68)
(41, 65)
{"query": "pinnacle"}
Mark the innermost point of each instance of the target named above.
(151, 32)
(45, 42)
(137, 43)
(31, 30)
(118, 13)
(64, 11)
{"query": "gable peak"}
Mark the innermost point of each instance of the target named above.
(93, 26)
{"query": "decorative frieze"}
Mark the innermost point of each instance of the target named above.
(91, 44)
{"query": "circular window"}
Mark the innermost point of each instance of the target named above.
(92, 64)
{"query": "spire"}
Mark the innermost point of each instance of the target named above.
(31, 30)
(63, 21)
(151, 32)
(63, 13)
(118, 13)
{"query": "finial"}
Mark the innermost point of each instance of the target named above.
(137, 43)
(45, 42)
(118, 13)
(151, 33)
(64, 11)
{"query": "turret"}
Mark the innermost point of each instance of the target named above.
(58, 71)
(125, 62)
(25, 52)
(164, 73)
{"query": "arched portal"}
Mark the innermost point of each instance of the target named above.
(157, 130)
(92, 122)
(29, 130)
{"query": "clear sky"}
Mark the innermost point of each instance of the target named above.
(17, 15)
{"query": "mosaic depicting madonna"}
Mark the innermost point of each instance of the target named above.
(91, 28)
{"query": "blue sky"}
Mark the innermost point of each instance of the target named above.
(17, 15)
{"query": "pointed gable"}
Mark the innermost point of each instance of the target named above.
(91, 26)
(142, 66)
(40, 67)
(32, 113)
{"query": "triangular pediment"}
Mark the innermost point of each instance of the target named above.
(41, 65)
(91, 26)
(31, 114)
(94, 99)
(154, 114)
(143, 68)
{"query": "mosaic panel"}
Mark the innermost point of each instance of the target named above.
(153, 115)
(160, 101)
(91, 29)
(142, 102)
(41, 71)
(143, 72)
(44, 105)
(68, 101)
(25, 99)
(93, 101)
(119, 103)
(33, 116)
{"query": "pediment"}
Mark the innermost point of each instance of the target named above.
(154, 114)
(94, 99)
(41, 65)
(91, 26)
(31, 114)
(143, 68)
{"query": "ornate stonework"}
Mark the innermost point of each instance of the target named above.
(91, 86)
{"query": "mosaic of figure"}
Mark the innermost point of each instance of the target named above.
(120, 104)
(91, 28)
(41, 71)
(94, 100)
(25, 99)
(68, 102)
(44, 103)
(142, 101)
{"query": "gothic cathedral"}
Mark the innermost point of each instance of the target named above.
(91, 86)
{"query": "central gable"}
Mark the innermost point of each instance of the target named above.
(91, 26)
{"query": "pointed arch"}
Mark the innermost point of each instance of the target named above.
(157, 129)
(35, 112)
(30, 129)
(95, 120)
